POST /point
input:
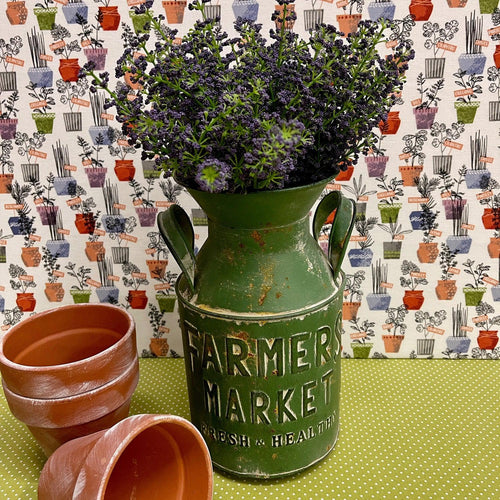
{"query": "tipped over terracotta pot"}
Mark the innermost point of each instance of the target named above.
(67, 350)
(145, 457)
(55, 421)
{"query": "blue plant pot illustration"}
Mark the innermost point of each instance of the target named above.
(113, 223)
(42, 77)
(416, 219)
(58, 248)
(360, 257)
(246, 9)
(15, 224)
(378, 301)
(100, 134)
(459, 244)
(65, 186)
(472, 64)
(459, 345)
(381, 10)
(495, 292)
(477, 179)
(72, 10)
(2, 304)
(107, 294)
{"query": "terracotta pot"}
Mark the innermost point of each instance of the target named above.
(348, 23)
(427, 253)
(392, 343)
(16, 12)
(421, 9)
(279, 20)
(494, 248)
(159, 347)
(26, 301)
(109, 18)
(413, 299)
(410, 173)
(487, 339)
(345, 175)
(157, 268)
(56, 421)
(124, 170)
(446, 289)
(94, 250)
(67, 350)
(491, 218)
(132, 460)
(128, 80)
(137, 299)
(31, 256)
(496, 56)
(350, 310)
(391, 125)
(85, 223)
(457, 3)
(69, 69)
(5, 183)
(174, 11)
(54, 292)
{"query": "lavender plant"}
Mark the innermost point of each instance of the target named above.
(241, 114)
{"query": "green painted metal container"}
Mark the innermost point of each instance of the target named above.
(260, 310)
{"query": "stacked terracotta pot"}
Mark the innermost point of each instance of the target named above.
(70, 371)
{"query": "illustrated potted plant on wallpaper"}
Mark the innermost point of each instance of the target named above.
(353, 292)
(174, 9)
(94, 247)
(68, 66)
(487, 6)
(54, 290)
(43, 102)
(120, 148)
(91, 43)
(412, 278)
(8, 116)
(112, 220)
(446, 287)
(362, 256)
(378, 9)
(8, 51)
(44, 202)
(395, 325)
(348, 23)
(427, 106)
(121, 252)
(140, 15)
(443, 137)
(495, 19)
(16, 12)
(85, 218)
(26, 146)
(436, 38)
(30, 254)
(376, 160)
(101, 133)
(3, 253)
(212, 11)
(108, 15)
(64, 183)
(453, 199)
(427, 324)
(491, 202)
(392, 249)
(425, 186)
(421, 10)
(165, 293)
(133, 278)
(171, 190)
(45, 14)
(363, 331)
(21, 281)
(494, 87)
(413, 157)
(379, 299)
(428, 249)
(360, 193)
(19, 193)
(460, 241)
(74, 10)
(81, 291)
(458, 342)
(313, 16)
(246, 9)
(391, 191)
(473, 60)
(7, 165)
(158, 344)
(71, 94)
(39, 74)
(108, 292)
(465, 106)
(474, 290)
(94, 168)
(158, 252)
(57, 245)
(488, 338)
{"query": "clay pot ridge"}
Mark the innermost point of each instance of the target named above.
(68, 350)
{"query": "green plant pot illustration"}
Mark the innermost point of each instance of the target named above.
(80, 296)
(138, 21)
(487, 6)
(361, 351)
(46, 17)
(166, 303)
(392, 249)
(44, 122)
(466, 111)
(473, 295)
(389, 213)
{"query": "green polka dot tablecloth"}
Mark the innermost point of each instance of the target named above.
(410, 429)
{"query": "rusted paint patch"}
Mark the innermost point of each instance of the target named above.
(258, 238)
(265, 289)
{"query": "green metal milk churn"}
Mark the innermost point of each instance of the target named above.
(260, 312)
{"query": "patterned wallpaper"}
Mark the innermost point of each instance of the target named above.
(79, 207)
